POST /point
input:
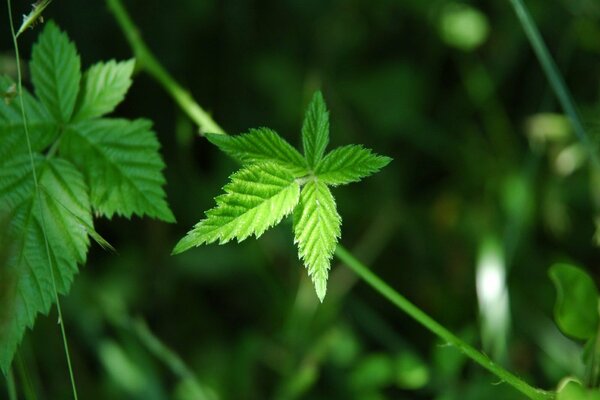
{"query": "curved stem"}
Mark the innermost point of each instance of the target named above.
(151, 65)
(146, 61)
(416, 313)
(39, 198)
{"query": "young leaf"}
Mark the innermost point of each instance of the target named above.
(104, 86)
(259, 145)
(63, 187)
(55, 72)
(121, 163)
(257, 198)
(348, 164)
(317, 228)
(315, 130)
(576, 309)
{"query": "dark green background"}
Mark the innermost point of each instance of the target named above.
(244, 317)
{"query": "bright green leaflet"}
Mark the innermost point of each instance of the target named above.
(576, 309)
(573, 390)
(257, 198)
(317, 228)
(348, 164)
(315, 130)
(111, 166)
(268, 189)
(262, 144)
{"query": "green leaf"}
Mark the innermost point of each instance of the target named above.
(576, 309)
(56, 72)
(62, 188)
(259, 145)
(317, 228)
(571, 389)
(349, 164)
(42, 130)
(315, 130)
(103, 87)
(122, 166)
(257, 198)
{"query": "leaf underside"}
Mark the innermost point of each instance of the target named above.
(317, 228)
(257, 198)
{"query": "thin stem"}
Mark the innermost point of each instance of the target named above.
(554, 77)
(10, 385)
(362, 271)
(413, 311)
(146, 61)
(39, 196)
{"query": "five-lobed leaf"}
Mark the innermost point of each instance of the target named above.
(317, 224)
(63, 200)
(315, 130)
(104, 86)
(348, 164)
(56, 72)
(258, 197)
(317, 228)
(258, 145)
(121, 162)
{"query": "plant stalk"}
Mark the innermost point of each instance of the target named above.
(149, 63)
(146, 61)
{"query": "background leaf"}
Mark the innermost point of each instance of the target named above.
(65, 205)
(257, 198)
(121, 163)
(56, 72)
(317, 228)
(576, 309)
(104, 86)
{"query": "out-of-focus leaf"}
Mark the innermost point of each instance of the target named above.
(411, 371)
(571, 389)
(576, 309)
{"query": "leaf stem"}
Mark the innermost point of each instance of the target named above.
(416, 313)
(146, 61)
(554, 77)
(157, 71)
(39, 196)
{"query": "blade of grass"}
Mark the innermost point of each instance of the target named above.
(554, 77)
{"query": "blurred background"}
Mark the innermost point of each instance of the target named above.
(488, 188)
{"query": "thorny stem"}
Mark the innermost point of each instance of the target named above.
(39, 197)
(147, 61)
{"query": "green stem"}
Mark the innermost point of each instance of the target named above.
(146, 61)
(152, 66)
(39, 196)
(553, 75)
(414, 312)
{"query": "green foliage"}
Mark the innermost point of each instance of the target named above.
(571, 389)
(268, 188)
(576, 310)
(110, 166)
